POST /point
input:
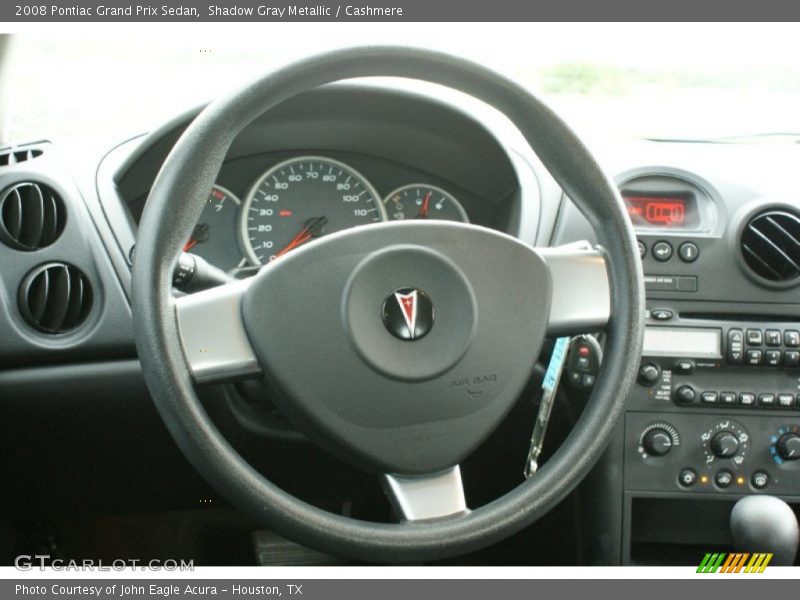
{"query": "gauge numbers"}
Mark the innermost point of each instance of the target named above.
(302, 199)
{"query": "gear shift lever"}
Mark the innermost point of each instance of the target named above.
(765, 524)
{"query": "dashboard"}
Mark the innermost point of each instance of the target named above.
(714, 415)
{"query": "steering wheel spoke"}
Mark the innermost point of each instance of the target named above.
(428, 496)
(581, 295)
(213, 336)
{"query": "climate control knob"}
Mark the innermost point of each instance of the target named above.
(788, 446)
(685, 394)
(657, 442)
(724, 444)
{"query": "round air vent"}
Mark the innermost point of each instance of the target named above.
(55, 298)
(32, 216)
(770, 245)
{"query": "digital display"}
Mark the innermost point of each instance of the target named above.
(662, 210)
(682, 342)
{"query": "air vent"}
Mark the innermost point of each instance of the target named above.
(32, 216)
(12, 156)
(771, 245)
(55, 298)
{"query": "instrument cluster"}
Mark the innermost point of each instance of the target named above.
(299, 200)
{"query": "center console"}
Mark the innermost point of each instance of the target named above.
(715, 413)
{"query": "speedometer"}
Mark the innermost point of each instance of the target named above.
(302, 199)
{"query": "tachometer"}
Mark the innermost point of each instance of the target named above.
(302, 199)
(213, 236)
(423, 201)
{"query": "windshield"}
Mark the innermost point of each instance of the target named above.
(666, 81)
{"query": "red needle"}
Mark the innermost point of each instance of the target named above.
(189, 245)
(199, 234)
(423, 211)
(311, 228)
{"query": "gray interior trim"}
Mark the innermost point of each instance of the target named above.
(214, 341)
(430, 497)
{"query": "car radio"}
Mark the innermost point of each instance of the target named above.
(716, 407)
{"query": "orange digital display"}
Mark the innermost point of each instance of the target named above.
(678, 211)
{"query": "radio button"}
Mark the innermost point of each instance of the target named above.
(772, 358)
(747, 399)
(708, 397)
(661, 314)
(754, 337)
(767, 400)
(735, 346)
(649, 374)
(791, 338)
(785, 400)
(754, 357)
(791, 358)
(727, 398)
(685, 394)
(684, 367)
(642, 248)
(688, 252)
(772, 337)
(662, 251)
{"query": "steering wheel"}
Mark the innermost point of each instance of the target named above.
(397, 346)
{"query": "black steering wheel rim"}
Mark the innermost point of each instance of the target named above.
(173, 209)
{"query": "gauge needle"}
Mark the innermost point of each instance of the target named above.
(199, 235)
(312, 228)
(423, 211)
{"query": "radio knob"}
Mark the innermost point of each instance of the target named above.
(685, 394)
(724, 444)
(649, 374)
(657, 442)
(788, 446)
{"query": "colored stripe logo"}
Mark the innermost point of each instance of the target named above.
(736, 562)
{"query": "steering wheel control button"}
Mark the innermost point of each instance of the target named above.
(687, 477)
(723, 479)
(662, 251)
(408, 313)
(688, 252)
(685, 395)
(661, 314)
(760, 480)
(649, 374)
(735, 346)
